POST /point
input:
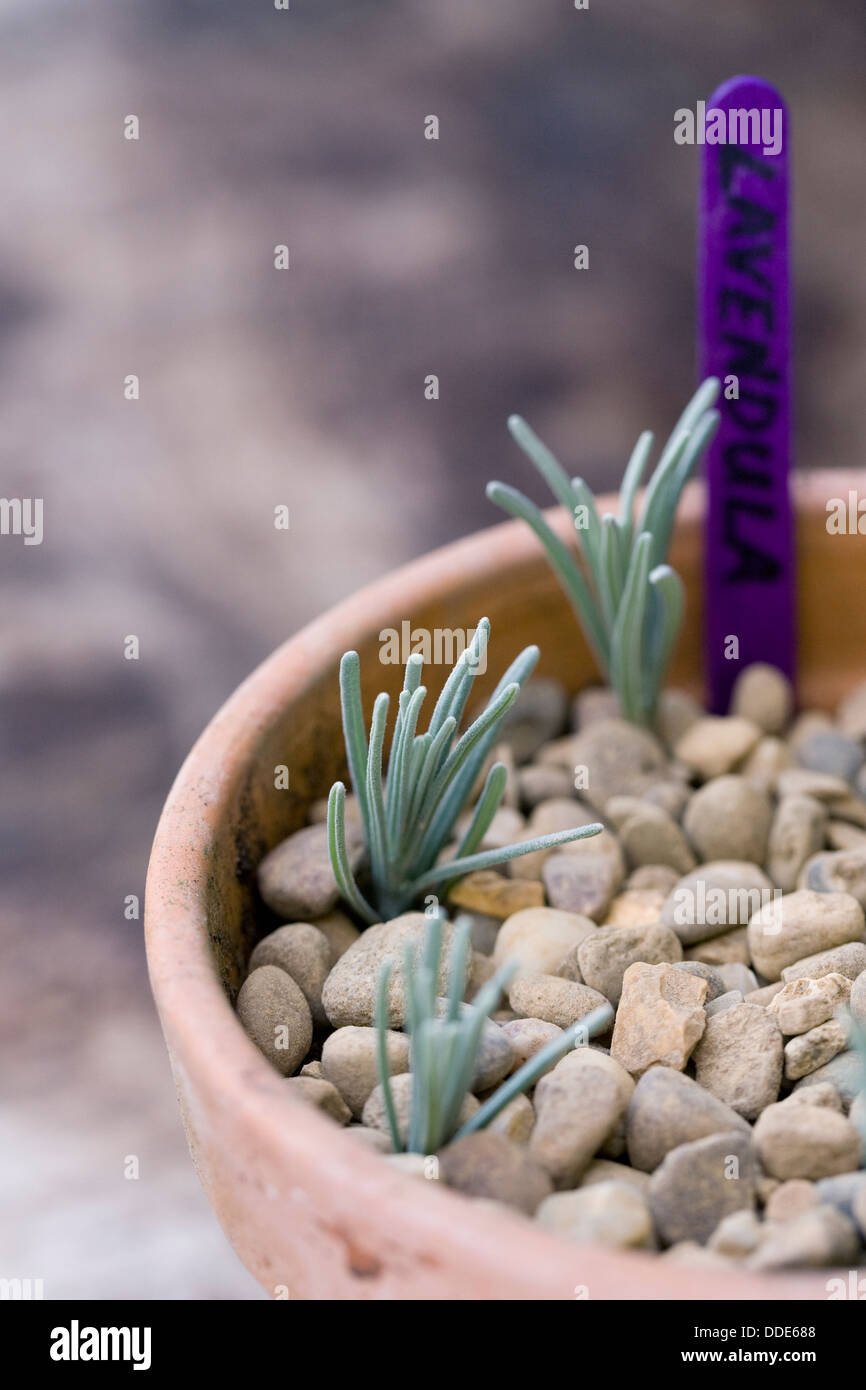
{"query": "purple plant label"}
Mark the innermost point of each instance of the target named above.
(744, 289)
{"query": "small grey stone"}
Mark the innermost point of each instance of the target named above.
(609, 1213)
(715, 983)
(845, 1073)
(801, 924)
(832, 752)
(857, 998)
(605, 955)
(805, 1141)
(349, 992)
(719, 895)
(594, 703)
(849, 959)
(724, 1002)
(296, 879)
(700, 1183)
(729, 818)
(650, 836)
(536, 718)
(737, 976)
(763, 695)
(536, 783)
(810, 1050)
(796, 834)
(842, 1191)
(486, 1164)
(737, 1235)
(576, 1109)
(739, 1059)
(668, 1109)
(584, 884)
(714, 745)
(839, 871)
(304, 953)
(274, 1013)
(817, 1237)
(620, 760)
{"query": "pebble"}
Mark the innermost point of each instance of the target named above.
(668, 1109)
(805, 1003)
(339, 932)
(849, 960)
(296, 879)
(739, 1059)
(728, 818)
(819, 1093)
(857, 1116)
(274, 1013)
(764, 695)
(846, 1192)
(737, 1235)
(516, 1120)
(841, 835)
(495, 1056)
(851, 714)
(800, 924)
(714, 745)
(349, 992)
(731, 948)
(537, 783)
(763, 995)
(721, 894)
(506, 828)
(724, 1002)
(804, 1054)
(715, 983)
(652, 878)
(604, 1170)
(492, 894)
(576, 1109)
(693, 1188)
(371, 1138)
(304, 953)
(796, 834)
(791, 1198)
(537, 717)
(620, 760)
(857, 998)
(561, 813)
(845, 1074)
(563, 1002)
(539, 938)
(735, 975)
(768, 758)
(375, 1116)
(649, 835)
(660, 1018)
(798, 781)
(605, 955)
(593, 703)
(481, 969)
(671, 796)
(839, 871)
(322, 1095)
(635, 908)
(609, 1213)
(832, 752)
(350, 1062)
(676, 712)
(805, 1141)
(313, 1069)
(817, 1237)
(487, 1164)
(526, 1036)
(584, 884)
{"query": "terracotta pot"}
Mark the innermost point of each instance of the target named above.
(309, 1210)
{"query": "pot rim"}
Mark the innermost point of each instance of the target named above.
(212, 1055)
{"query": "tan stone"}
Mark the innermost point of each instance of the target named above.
(539, 938)
(803, 1004)
(563, 1002)
(660, 1018)
(739, 1059)
(489, 892)
(801, 924)
(715, 745)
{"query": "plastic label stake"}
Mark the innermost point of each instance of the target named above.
(744, 332)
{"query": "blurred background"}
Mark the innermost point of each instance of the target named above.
(306, 387)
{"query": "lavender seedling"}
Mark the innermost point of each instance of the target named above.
(445, 1035)
(627, 599)
(408, 814)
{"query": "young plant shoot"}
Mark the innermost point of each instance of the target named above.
(445, 1036)
(409, 813)
(627, 599)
